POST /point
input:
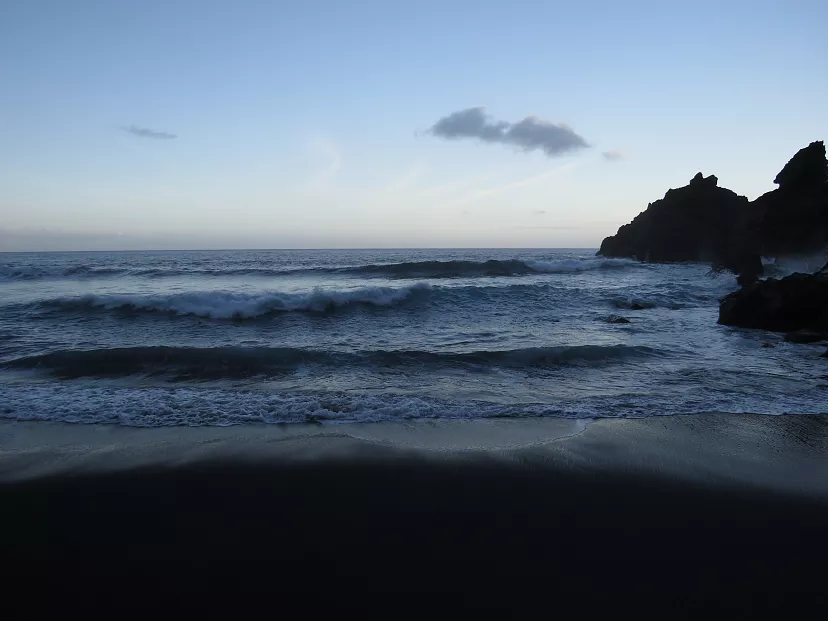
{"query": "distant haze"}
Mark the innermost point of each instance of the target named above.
(258, 124)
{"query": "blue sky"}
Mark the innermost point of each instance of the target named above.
(305, 124)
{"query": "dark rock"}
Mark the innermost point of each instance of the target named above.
(616, 319)
(700, 180)
(797, 302)
(793, 219)
(767, 345)
(748, 268)
(805, 336)
(703, 222)
(825, 355)
(699, 222)
(807, 169)
(790, 225)
(633, 304)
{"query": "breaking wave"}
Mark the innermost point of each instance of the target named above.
(193, 363)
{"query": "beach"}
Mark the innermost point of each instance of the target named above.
(699, 506)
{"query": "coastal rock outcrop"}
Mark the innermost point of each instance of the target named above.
(703, 222)
(806, 170)
(798, 302)
(698, 222)
(793, 219)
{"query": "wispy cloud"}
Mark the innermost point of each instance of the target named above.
(458, 185)
(404, 182)
(529, 134)
(613, 155)
(143, 132)
(514, 185)
(333, 156)
(324, 160)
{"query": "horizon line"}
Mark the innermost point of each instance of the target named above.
(307, 249)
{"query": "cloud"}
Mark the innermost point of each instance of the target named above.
(328, 156)
(143, 132)
(403, 182)
(613, 155)
(514, 185)
(530, 134)
(333, 158)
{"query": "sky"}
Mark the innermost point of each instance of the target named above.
(178, 124)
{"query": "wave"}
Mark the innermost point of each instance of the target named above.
(84, 272)
(490, 268)
(671, 298)
(203, 406)
(236, 305)
(193, 363)
(223, 305)
(27, 272)
(405, 270)
(633, 303)
(564, 266)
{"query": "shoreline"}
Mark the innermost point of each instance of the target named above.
(709, 506)
(787, 453)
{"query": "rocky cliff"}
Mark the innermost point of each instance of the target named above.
(793, 219)
(703, 222)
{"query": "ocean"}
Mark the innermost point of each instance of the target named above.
(217, 338)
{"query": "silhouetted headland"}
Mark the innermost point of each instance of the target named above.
(706, 223)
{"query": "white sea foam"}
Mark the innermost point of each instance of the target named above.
(579, 265)
(163, 406)
(239, 305)
(199, 406)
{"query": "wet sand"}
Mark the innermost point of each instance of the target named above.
(717, 508)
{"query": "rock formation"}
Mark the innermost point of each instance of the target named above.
(703, 222)
(793, 219)
(698, 222)
(795, 303)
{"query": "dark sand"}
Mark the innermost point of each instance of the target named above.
(712, 508)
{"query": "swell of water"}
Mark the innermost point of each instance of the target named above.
(211, 363)
(236, 305)
(295, 336)
(403, 270)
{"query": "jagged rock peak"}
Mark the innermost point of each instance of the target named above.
(806, 169)
(700, 179)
